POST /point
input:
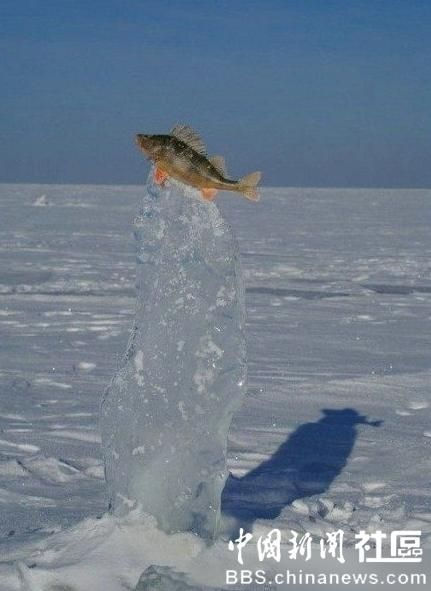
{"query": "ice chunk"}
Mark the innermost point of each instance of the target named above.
(41, 201)
(167, 411)
(50, 469)
(159, 578)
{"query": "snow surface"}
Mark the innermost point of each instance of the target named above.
(338, 336)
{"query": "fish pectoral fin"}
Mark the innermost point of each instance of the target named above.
(160, 176)
(209, 194)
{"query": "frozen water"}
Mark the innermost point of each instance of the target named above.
(167, 411)
(156, 578)
(338, 317)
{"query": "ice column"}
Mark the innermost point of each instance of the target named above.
(167, 411)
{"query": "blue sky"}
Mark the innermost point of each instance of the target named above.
(311, 92)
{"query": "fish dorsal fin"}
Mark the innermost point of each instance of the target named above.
(219, 164)
(187, 135)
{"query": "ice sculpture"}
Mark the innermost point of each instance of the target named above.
(166, 413)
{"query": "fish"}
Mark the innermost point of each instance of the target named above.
(181, 154)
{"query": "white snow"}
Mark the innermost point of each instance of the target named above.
(86, 366)
(349, 272)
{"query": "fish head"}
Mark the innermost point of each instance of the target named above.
(149, 144)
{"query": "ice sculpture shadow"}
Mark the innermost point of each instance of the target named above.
(305, 464)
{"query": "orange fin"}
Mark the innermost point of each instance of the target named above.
(209, 194)
(160, 176)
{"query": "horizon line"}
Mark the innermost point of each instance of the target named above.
(336, 187)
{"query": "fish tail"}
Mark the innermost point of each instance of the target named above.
(248, 186)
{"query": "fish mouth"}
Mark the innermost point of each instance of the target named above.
(140, 138)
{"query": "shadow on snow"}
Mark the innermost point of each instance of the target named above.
(305, 464)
